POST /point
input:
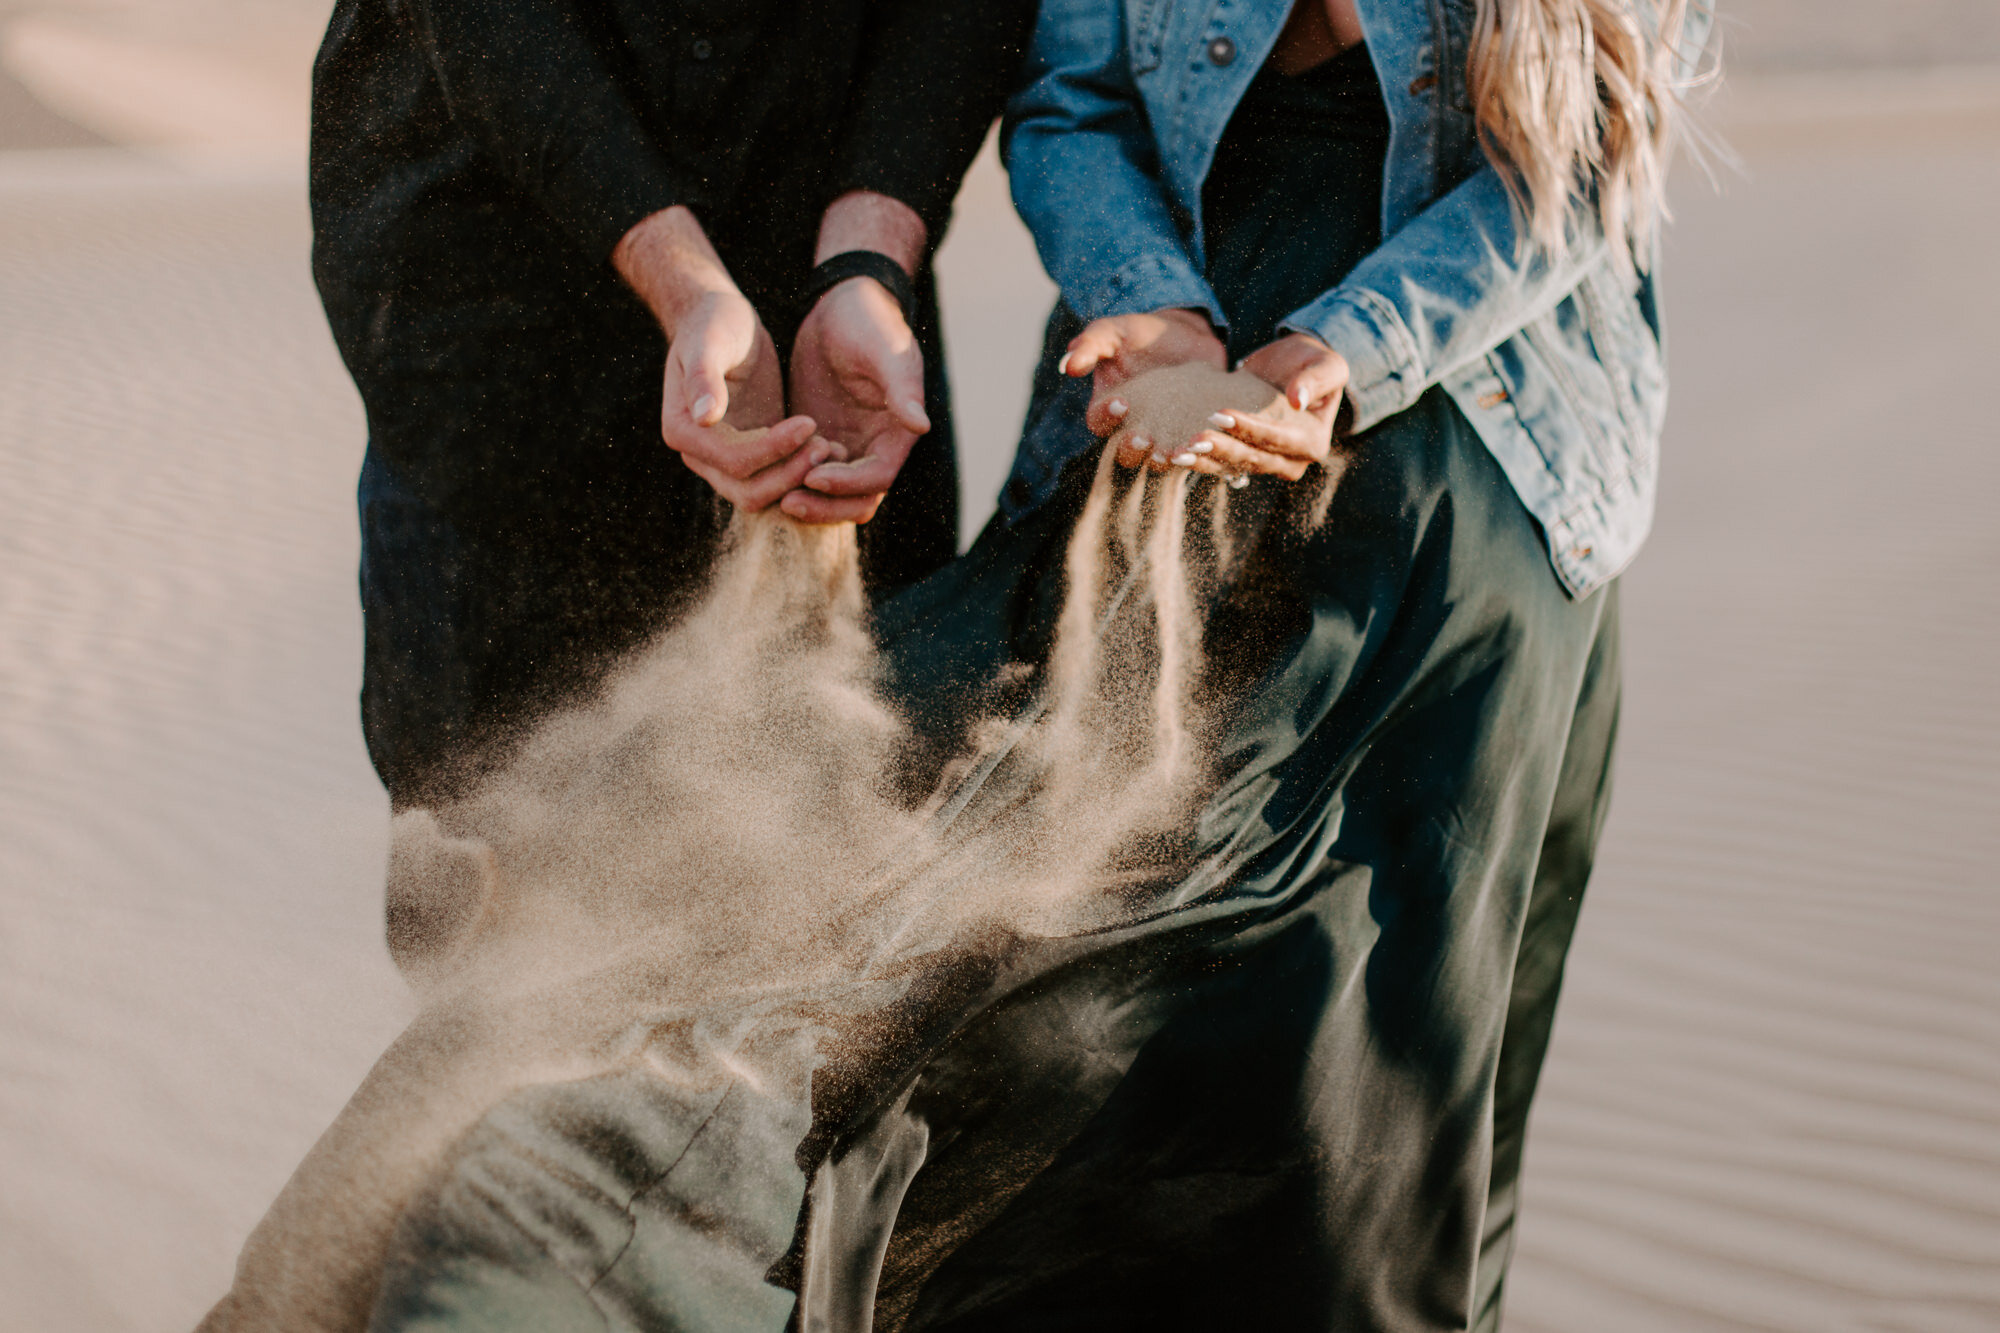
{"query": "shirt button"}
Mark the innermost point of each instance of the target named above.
(702, 49)
(1222, 51)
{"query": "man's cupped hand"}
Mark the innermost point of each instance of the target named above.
(722, 407)
(857, 371)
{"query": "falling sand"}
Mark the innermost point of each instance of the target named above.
(722, 850)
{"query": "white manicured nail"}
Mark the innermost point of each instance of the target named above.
(1062, 366)
(1183, 460)
(1203, 446)
(1299, 399)
(1222, 420)
(1238, 482)
(1116, 408)
(704, 405)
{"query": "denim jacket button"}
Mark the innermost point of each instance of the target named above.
(1222, 51)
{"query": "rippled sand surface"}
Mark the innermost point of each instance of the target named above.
(1773, 1101)
(1774, 1097)
(191, 973)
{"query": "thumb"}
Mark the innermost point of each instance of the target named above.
(1318, 380)
(910, 415)
(902, 387)
(1098, 342)
(705, 385)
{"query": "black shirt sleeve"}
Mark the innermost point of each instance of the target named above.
(537, 83)
(933, 78)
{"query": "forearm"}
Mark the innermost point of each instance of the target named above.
(865, 220)
(668, 260)
(1455, 282)
(1084, 172)
(1112, 246)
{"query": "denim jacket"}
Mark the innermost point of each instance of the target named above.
(1558, 364)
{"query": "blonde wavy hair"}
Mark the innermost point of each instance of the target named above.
(1579, 103)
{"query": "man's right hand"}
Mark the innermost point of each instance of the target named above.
(723, 372)
(722, 405)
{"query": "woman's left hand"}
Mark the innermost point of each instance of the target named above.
(1312, 376)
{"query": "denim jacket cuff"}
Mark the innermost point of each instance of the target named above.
(1152, 282)
(1384, 373)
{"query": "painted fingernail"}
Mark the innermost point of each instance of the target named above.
(1062, 366)
(1183, 460)
(1238, 482)
(1203, 446)
(703, 406)
(1141, 443)
(1116, 408)
(1299, 399)
(1222, 420)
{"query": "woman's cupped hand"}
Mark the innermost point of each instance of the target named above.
(1284, 439)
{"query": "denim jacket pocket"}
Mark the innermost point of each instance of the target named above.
(1454, 20)
(1627, 350)
(1145, 32)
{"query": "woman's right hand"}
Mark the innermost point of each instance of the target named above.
(1115, 349)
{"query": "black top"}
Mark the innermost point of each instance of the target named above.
(474, 162)
(1294, 199)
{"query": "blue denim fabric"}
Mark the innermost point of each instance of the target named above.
(1558, 364)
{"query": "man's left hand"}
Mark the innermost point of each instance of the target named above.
(858, 372)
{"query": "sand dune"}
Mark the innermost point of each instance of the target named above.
(191, 974)
(1774, 1097)
(1773, 1100)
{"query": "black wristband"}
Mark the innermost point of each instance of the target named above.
(861, 264)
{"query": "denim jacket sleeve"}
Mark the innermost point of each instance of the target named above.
(1456, 281)
(1085, 173)
(1452, 284)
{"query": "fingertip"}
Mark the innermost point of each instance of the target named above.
(1062, 366)
(705, 410)
(1116, 409)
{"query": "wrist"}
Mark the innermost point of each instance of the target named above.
(1193, 320)
(666, 258)
(864, 220)
(858, 272)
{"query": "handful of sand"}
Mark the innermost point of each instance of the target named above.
(1171, 406)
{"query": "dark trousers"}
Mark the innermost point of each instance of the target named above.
(1294, 1096)
(523, 525)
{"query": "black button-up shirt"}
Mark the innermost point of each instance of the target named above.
(474, 162)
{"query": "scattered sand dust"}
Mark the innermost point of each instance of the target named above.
(1771, 1100)
(720, 843)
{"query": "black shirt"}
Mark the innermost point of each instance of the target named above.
(474, 162)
